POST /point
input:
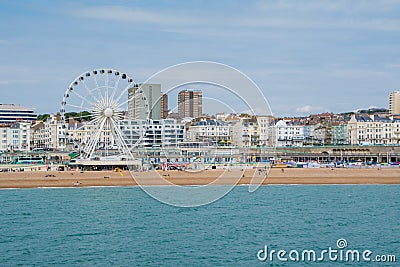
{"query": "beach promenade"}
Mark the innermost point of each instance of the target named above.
(153, 178)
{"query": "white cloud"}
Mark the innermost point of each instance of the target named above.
(126, 14)
(253, 17)
(308, 109)
(319, 14)
(393, 66)
(342, 6)
(320, 23)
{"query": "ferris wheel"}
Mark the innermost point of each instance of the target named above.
(94, 107)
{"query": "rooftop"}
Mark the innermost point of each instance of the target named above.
(210, 122)
(14, 107)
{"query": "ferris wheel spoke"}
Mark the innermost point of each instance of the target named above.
(124, 91)
(116, 84)
(90, 91)
(109, 135)
(106, 86)
(83, 98)
(94, 141)
(80, 107)
(118, 133)
(90, 139)
(94, 121)
(122, 148)
(120, 105)
(98, 88)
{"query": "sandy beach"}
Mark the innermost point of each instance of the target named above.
(275, 176)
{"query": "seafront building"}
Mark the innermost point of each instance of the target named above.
(339, 134)
(138, 106)
(15, 137)
(10, 113)
(369, 127)
(264, 123)
(394, 103)
(373, 130)
(245, 132)
(48, 134)
(284, 134)
(164, 106)
(210, 131)
(38, 135)
(190, 104)
(153, 133)
(321, 134)
(251, 131)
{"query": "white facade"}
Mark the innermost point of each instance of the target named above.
(155, 133)
(48, 134)
(15, 137)
(286, 134)
(55, 137)
(10, 113)
(373, 130)
(211, 131)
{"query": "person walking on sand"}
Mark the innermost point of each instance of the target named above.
(282, 170)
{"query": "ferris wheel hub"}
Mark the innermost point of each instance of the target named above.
(108, 112)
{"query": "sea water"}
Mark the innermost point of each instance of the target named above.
(122, 226)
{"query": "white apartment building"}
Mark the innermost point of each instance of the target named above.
(373, 130)
(10, 113)
(15, 137)
(48, 134)
(285, 134)
(153, 133)
(54, 137)
(209, 131)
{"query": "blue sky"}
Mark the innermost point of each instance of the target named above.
(306, 56)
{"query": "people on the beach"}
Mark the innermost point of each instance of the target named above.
(77, 183)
